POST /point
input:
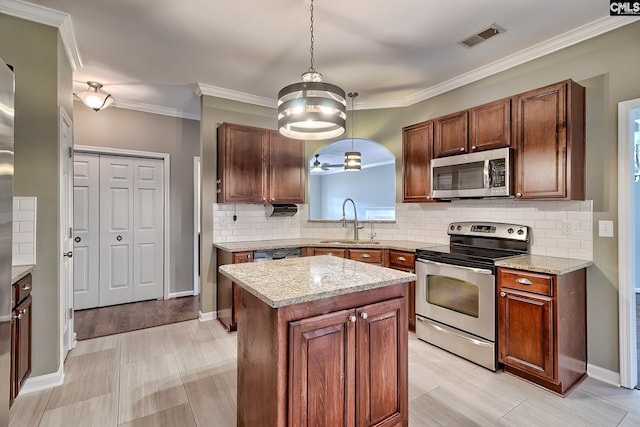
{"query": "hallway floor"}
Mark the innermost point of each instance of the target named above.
(184, 374)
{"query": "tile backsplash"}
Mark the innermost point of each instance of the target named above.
(24, 230)
(562, 229)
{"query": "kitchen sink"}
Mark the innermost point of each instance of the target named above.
(350, 242)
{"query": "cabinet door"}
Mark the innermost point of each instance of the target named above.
(242, 152)
(23, 345)
(541, 142)
(490, 125)
(322, 370)
(525, 331)
(417, 146)
(382, 398)
(286, 166)
(450, 135)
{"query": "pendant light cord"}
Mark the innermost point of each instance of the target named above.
(353, 95)
(311, 69)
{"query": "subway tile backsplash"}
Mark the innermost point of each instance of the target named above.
(24, 230)
(562, 229)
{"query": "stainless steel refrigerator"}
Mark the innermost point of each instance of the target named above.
(6, 230)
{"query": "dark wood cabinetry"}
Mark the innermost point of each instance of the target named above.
(21, 324)
(259, 166)
(227, 291)
(335, 362)
(372, 256)
(542, 327)
(451, 134)
(550, 146)
(490, 125)
(417, 152)
(406, 261)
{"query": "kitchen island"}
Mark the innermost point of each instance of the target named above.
(321, 341)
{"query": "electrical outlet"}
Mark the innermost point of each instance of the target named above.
(567, 228)
(605, 228)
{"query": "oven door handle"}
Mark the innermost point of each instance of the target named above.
(440, 264)
(462, 337)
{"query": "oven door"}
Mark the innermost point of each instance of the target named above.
(460, 297)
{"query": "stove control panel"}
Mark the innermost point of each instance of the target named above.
(495, 230)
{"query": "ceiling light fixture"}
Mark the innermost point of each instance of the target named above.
(352, 159)
(311, 109)
(94, 97)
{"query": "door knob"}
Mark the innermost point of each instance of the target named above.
(68, 254)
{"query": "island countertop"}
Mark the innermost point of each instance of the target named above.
(291, 281)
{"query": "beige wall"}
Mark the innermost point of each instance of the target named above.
(607, 66)
(180, 138)
(43, 81)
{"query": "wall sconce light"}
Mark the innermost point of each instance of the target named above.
(94, 97)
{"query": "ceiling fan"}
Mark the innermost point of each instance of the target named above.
(325, 166)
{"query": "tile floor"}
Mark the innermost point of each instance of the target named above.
(184, 375)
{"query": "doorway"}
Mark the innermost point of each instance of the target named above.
(121, 238)
(628, 238)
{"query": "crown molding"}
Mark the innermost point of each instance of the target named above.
(209, 90)
(47, 16)
(153, 109)
(554, 44)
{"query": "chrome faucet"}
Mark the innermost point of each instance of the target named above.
(355, 218)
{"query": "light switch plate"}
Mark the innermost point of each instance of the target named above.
(605, 228)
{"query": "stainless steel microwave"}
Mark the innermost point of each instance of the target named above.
(473, 175)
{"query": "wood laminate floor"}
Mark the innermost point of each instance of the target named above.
(184, 375)
(115, 319)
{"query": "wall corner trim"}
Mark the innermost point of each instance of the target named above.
(603, 374)
(43, 382)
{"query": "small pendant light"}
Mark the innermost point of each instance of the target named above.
(352, 159)
(94, 97)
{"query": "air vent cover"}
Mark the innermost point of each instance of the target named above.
(482, 35)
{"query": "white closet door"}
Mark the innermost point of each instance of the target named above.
(116, 230)
(86, 228)
(148, 233)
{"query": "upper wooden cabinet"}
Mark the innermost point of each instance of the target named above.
(451, 134)
(417, 146)
(490, 125)
(550, 145)
(259, 166)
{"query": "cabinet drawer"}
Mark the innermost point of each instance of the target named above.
(402, 260)
(240, 257)
(330, 251)
(526, 281)
(22, 289)
(366, 255)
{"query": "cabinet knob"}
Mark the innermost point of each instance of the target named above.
(352, 319)
(474, 147)
(502, 294)
(518, 194)
(273, 199)
(364, 315)
(461, 149)
(20, 314)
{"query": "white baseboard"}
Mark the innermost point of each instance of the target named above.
(180, 294)
(604, 375)
(211, 315)
(43, 382)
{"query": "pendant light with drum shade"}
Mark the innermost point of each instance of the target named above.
(312, 109)
(94, 97)
(352, 159)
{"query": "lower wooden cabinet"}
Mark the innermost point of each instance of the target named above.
(406, 261)
(542, 327)
(21, 325)
(346, 354)
(227, 291)
(340, 361)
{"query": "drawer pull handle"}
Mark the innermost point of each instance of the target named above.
(523, 281)
(26, 288)
(365, 256)
(401, 258)
(330, 253)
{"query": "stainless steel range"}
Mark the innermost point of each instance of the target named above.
(456, 288)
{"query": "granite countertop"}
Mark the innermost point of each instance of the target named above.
(544, 264)
(19, 271)
(256, 245)
(291, 281)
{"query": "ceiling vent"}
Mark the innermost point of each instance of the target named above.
(482, 35)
